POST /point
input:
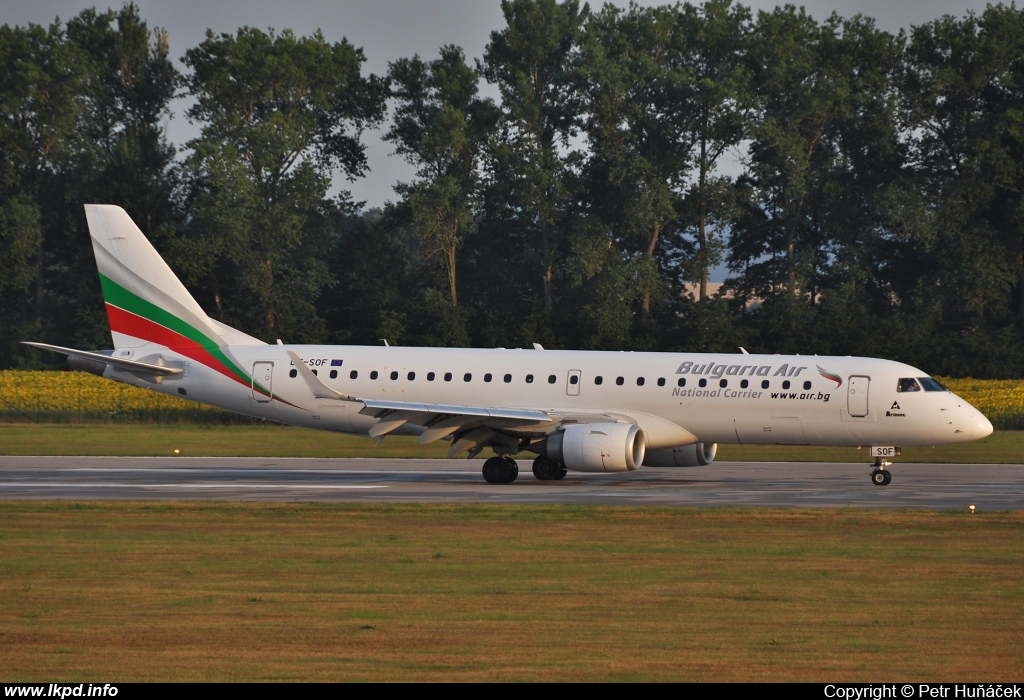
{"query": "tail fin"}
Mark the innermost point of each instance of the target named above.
(146, 303)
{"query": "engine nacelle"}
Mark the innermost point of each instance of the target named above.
(698, 455)
(598, 447)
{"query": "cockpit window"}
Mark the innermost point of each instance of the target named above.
(930, 384)
(908, 384)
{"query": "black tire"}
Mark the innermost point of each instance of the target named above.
(513, 470)
(562, 471)
(880, 477)
(544, 469)
(496, 471)
(888, 477)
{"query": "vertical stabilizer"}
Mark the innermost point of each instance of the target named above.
(146, 302)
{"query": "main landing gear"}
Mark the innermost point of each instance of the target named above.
(881, 476)
(500, 470)
(504, 470)
(547, 470)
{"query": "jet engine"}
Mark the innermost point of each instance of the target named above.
(698, 455)
(598, 447)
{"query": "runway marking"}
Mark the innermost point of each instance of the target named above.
(299, 485)
(257, 470)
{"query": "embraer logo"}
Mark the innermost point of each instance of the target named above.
(895, 407)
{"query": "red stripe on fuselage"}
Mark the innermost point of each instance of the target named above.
(126, 322)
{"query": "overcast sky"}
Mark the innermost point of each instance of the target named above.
(391, 29)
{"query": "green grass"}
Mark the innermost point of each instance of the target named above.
(270, 440)
(323, 592)
(148, 440)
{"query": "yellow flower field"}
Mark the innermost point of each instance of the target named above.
(78, 396)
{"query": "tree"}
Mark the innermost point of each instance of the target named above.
(666, 94)
(279, 115)
(530, 61)
(716, 37)
(822, 160)
(636, 103)
(440, 126)
(965, 94)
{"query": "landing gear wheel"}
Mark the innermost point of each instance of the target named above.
(562, 471)
(544, 469)
(888, 477)
(881, 477)
(500, 470)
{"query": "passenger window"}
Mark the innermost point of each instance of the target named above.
(619, 381)
(723, 383)
(467, 377)
(598, 380)
(661, 381)
(574, 380)
(529, 379)
(785, 384)
(508, 378)
(639, 381)
(447, 376)
(394, 376)
(807, 386)
(334, 374)
(702, 383)
(552, 379)
(487, 377)
(411, 376)
(908, 384)
(294, 373)
(764, 384)
(430, 376)
(373, 374)
(353, 374)
(681, 381)
(744, 384)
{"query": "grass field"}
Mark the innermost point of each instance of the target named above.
(267, 440)
(255, 592)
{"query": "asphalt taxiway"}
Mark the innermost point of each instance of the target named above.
(773, 484)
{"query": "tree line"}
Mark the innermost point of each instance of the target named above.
(865, 190)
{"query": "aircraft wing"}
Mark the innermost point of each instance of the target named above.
(476, 426)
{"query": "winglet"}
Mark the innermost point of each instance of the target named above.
(319, 389)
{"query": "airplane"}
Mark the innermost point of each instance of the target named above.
(584, 411)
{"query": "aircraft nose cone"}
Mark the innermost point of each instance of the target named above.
(982, 427)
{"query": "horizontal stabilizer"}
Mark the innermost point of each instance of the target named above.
(130, 365)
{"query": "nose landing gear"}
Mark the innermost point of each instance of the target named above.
(881, 476)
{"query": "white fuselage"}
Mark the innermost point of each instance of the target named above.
(675, 398)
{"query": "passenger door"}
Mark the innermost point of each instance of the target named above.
(857, 396)
(262, 375)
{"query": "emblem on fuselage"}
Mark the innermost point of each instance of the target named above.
(830, 375)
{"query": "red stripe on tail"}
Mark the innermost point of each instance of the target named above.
(126, 322)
